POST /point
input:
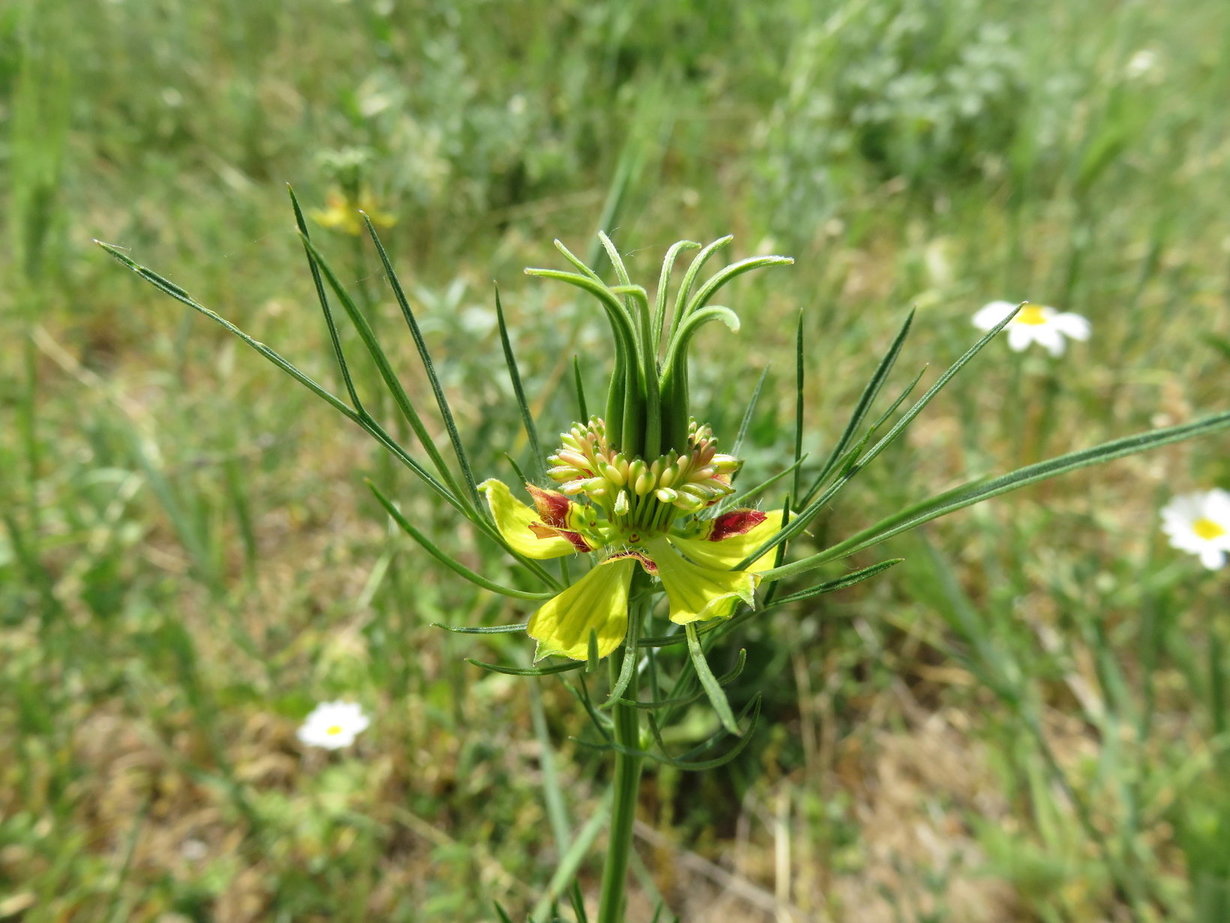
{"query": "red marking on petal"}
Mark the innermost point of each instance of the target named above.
(646, 561)
(551, 505)
(578, 542)
(736, 522)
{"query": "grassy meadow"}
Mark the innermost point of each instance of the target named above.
(1026, 720)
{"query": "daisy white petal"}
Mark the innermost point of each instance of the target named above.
(1199, 523)
(992, 313)
(1019, 337)
(1034, 323)
(333, 725)
(1074, 326)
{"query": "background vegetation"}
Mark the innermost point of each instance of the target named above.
(1025, 721)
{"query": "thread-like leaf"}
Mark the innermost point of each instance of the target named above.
(709, 683)
(447, 560)
(976, 492)
(437, 390)
(863, 407)
(510, 360)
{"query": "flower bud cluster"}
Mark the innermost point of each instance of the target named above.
(586, 464)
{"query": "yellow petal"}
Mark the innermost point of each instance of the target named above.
(596, 603)
(727, 552)
(513, 519)
(697, 593)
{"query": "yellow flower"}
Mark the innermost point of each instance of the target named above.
(341, 213)
(695, 566)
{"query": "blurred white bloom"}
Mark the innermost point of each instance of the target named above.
(1200, 523)
(333, 725)
(1035, 323)
(1141, 63)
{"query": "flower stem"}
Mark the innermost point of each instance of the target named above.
(627, 779)
(625, 785)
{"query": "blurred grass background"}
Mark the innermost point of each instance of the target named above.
(1025, 721)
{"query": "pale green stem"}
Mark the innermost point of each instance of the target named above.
(624, 789)
(625, 786)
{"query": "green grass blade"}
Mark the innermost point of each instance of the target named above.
(570, 862)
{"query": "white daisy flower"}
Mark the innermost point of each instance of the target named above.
(1200, 523)
(1034, 323)
(333, 725)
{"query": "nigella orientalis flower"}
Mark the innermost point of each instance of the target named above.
(633, 513)
(639, 486)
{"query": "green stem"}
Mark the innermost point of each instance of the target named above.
(624, 786)
(627, 780)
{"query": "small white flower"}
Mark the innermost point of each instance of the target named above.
(1141, 63)
(1034, 323)
(333, 725)
(1200, 523)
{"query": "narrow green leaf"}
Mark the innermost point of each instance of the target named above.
(527, 671)
(627, 667)
(372, 344)
(592, 659)
(570, 862)
(579, 385)
(447, 560)
(510, 360)
(689, 765)
(809, 512)
(863, 407)
(709, 682)
(840, 583)
(748, 413)
(182, 296)
(798, 402)
(617, 261)
(577, 262)
(975, 492)
(334, 339)
(679, 701)
(482, 630)
(437, 390)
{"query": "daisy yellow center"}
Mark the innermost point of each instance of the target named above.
(1207, 529)
(333, 730)
(1031, 314)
